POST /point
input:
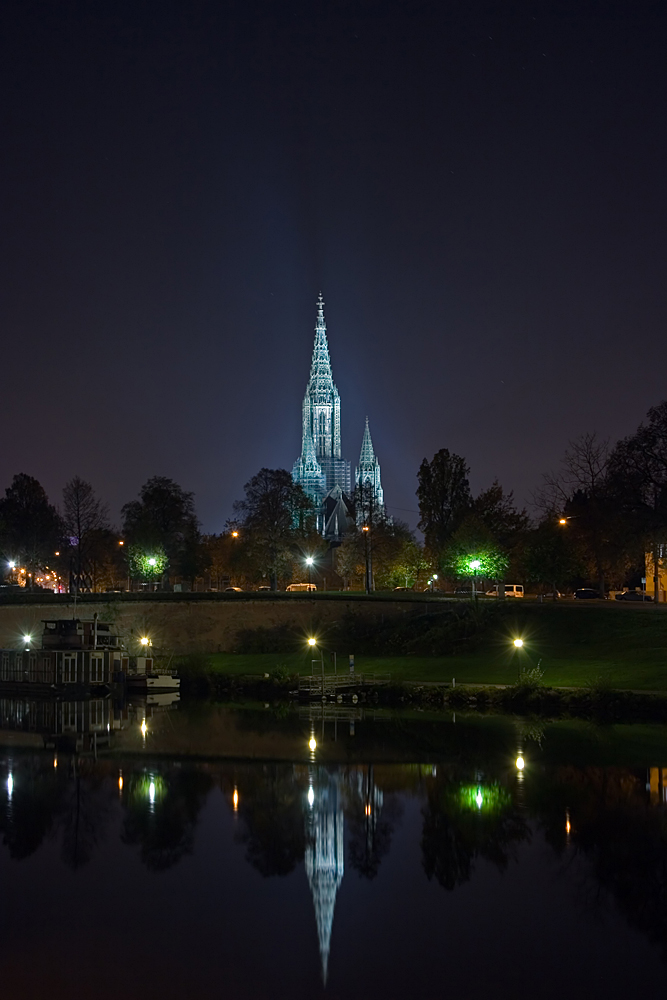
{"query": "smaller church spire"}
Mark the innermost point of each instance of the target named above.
(367, 474)
(367, 456)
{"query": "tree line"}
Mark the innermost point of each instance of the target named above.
(595, 519)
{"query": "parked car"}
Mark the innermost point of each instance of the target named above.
(301, 587)
(403, 588)
(553, 595)
(587, 594)
(633, 595)
(233, 590)
(511, 590)
(263, 588)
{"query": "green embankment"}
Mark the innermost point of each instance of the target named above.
(573, 644)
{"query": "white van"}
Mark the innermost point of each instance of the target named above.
(301, 586)
(511, 590)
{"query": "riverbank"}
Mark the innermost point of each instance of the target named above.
(572, 645)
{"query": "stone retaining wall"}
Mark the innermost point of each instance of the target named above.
(192, 626)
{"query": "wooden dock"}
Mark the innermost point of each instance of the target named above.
(325, 686)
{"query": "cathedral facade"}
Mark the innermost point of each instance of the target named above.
(321, 469)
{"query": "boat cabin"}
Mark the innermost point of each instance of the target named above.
(74, 652)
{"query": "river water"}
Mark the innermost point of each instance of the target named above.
(208, 851)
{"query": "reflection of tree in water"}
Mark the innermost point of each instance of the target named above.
(29, 814)
(371, 817)
(466, 822)
(271, 815)
(83, 812)
(162, 812)
(619, 833)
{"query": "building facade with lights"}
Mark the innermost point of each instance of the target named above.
(321, 469)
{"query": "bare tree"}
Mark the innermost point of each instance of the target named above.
(83, 514)
(579, 493)
(583, 468)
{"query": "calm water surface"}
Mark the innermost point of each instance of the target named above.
(397, 857)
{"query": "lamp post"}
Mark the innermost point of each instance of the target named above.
(309, 564)
(474, 566)
(312, 642)
(369, 557)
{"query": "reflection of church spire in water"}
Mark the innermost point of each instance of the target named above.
(325, 862)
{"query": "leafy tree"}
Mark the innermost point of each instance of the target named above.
(444, 497)
(409, 565)
(350, 558)
(496, 510)
(83, 515)
(30, 527)
(162, 521)
(474, 552)
(276, 514)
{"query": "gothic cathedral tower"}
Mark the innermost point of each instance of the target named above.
(321, 470)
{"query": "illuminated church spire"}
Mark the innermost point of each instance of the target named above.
(320, 425)
(368, 470)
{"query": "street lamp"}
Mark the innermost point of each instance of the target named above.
(518, 643)
(474, 566)
(309, 564)
(369, 557)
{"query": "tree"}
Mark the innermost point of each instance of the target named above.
(162, 522)
(30, 527)
(638, 483)
(550, 557)
(580, 493)
(275, 513)
(83, 515)
(444, 498)
(473, 551)
(496, 510)
(350, 558)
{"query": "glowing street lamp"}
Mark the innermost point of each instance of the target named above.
(312, 642)
(235, 534)
(518, 643)
(309, 564)
(520, 763)
(312, 744)
(474, 566)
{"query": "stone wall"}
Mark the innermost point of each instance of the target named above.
(183, 626)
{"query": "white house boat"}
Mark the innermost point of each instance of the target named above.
(74, 653)
(77, 653)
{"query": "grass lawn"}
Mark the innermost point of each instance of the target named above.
(573, 644)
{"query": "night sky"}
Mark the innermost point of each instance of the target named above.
(477, 189)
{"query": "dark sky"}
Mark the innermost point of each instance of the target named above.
(478, 190)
